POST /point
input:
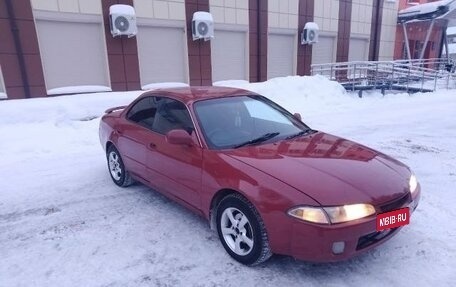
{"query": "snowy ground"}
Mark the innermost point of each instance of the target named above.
(64, 223)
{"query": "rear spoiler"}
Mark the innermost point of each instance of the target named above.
(108, 111)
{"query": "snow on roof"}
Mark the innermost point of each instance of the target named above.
(78, 89)
(203, 16)
(122, 9)
(311, 25)
(426, 7)
(427, 10)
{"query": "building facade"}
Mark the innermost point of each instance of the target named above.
(416, 34)
(51, 47)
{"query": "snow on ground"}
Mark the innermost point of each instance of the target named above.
(64, 223)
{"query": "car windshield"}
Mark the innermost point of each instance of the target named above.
(233, 122)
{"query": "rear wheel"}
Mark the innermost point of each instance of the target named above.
(117, 170)
(241, 230)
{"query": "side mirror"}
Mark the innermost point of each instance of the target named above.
(298, 116)
(179, 137)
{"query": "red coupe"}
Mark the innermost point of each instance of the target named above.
(262, 178)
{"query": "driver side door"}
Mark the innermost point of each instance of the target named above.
(175, 169)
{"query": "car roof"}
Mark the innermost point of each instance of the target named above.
(194, 93)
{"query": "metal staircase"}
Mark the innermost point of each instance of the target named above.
(410, 76)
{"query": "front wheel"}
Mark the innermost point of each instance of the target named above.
(117, 170)
(241, 230)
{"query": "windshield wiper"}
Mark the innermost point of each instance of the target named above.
(260, 139)
(301, 133)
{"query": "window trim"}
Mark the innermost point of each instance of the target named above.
(195, 126)
(131, 107)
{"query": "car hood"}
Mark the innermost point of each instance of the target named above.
(331, 170)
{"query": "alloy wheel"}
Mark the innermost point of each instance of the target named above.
(237, 231)
(114, 165)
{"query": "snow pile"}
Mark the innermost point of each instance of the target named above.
(231, 83)
(78, 89)
(63, 108)
(164, 85)
(64, 223)
(295, 93)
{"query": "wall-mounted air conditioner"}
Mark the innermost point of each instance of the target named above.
(123, 20)
(309, 34)
(202, 26)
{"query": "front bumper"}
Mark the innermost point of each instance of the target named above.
(313, 242)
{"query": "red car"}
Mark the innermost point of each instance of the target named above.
(261, 177)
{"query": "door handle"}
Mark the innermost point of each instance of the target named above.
(152, 146)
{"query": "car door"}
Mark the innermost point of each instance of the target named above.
(176, 169)
(134, 136)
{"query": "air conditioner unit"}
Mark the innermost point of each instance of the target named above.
(309, 33)
(122, 20)
(202, 26)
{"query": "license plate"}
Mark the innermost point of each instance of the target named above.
(393, 219)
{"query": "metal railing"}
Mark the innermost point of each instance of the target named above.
(407, 75)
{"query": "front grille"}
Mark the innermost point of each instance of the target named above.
(396, 203)
(374, 237)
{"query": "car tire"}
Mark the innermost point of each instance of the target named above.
(241, 230)
(116, 168)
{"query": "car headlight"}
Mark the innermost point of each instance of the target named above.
(334, 214)
(311, 214)
(349, 212)
(413, 183)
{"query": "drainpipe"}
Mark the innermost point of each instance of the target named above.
(258, 42)
(376, 40)
(18, 46)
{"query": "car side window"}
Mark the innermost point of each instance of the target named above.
(171, 114)
(143, 112)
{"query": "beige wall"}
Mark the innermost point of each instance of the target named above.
(72, 6)
(156, 9)
(283, 25)
(361, 17)
(230, 16)
(230, 11)
(360, 27)
(283, 14)
(326, 15)
(388, 35)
